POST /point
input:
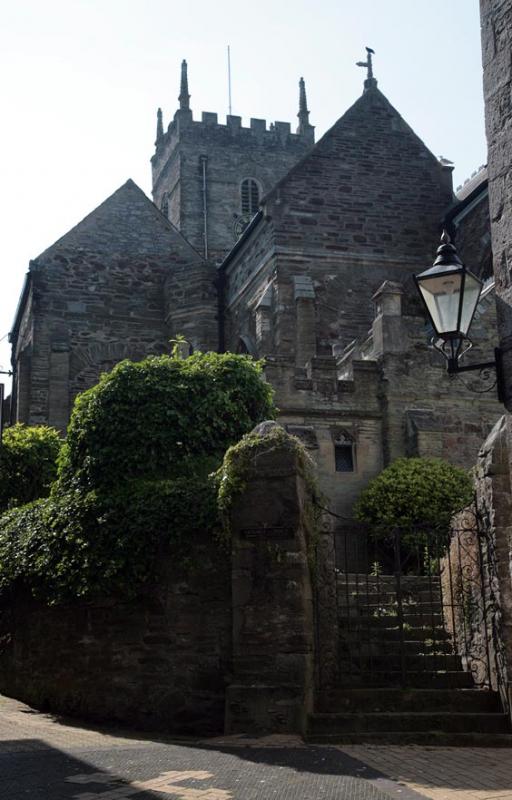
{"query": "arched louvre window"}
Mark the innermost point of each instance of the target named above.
(344, 455)
(165, 206)
(250, 196)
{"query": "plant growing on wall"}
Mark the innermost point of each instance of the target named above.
(418, 496)
(28, 463)
(148, 418)
(135, 477)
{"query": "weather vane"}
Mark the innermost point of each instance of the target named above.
(370, 80)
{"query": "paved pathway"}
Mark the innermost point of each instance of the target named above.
(42, 758)
(444, 773)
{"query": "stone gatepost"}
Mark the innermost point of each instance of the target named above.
(273, 632)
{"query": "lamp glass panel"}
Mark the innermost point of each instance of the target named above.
(472, 289)
(441, 294)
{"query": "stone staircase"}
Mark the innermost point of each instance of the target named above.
(399, 679)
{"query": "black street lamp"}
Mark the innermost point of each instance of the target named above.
(450, 294)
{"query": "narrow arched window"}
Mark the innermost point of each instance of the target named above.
(344, 455)
(165, 205)
(250, 196)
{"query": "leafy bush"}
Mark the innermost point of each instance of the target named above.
(134, 479)
(28, 463)
(414, 494)
(147, 418)
(82, 544)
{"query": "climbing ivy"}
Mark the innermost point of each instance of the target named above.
(236, 467)
(146, 418)
(136, 476)
(28, 463)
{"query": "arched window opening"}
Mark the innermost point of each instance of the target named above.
(344, 452)
(165, 206)
(250, 197)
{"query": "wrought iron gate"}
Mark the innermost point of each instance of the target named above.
(416, 608)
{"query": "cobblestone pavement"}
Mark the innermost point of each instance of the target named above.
(443, 773)
(44, 758)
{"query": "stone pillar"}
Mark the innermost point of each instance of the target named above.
(323, 371)
(305, 337)
(263, 313)
(273, 638)
(23, 385)
(58, 380)
(191, 305)
(387, 328)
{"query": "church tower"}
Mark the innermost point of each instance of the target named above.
(208, 177)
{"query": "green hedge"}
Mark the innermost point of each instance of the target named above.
(84, 544)
(147, 418)
(136, 476)
(28, 463)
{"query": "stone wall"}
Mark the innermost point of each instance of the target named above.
(227, 643)
(472, 233)
(477, 585)
(118, 285)
(426, 411)
(160, 661)
(363, 206)
(496, 18)
(195, 156)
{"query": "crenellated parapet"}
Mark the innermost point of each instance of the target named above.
(209, 175)
(209, 131)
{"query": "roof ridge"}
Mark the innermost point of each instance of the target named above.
(85, 227)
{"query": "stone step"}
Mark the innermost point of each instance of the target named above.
(403, 722)
(391, 661)
(379, 700)
(376, 607)
(407, 581)
(377, 601)
(423, 738)
(456, 679)
(410, 620)
(389, 630)
(387, 595)
(371, 645)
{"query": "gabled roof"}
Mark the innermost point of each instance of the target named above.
(347, 127)
(127, 222)
(369, 185)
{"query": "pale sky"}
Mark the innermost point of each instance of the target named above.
(82, 80)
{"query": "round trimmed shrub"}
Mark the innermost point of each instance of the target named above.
(147, 419)
(414, 495)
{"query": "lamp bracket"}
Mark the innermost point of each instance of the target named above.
(453, 367)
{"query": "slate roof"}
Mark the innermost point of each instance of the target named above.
(347, 124)
(127, 222)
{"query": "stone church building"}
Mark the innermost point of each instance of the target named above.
(260, 241)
